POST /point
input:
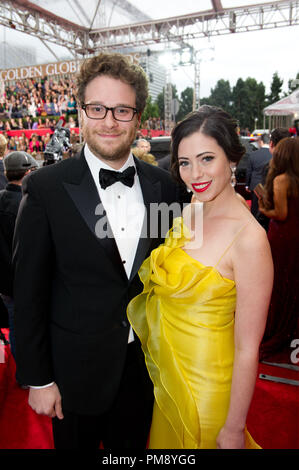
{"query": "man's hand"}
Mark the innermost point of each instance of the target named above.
(46, 401)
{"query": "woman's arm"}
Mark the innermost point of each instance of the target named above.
(280, 199)
(253, 270)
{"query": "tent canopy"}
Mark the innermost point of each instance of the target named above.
(285, 107)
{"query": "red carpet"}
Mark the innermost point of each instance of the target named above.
(20, 426)
(272, 420)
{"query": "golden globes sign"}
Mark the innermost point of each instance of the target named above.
(39, 71)
(47, 70)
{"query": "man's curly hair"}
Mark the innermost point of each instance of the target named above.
(116, 66)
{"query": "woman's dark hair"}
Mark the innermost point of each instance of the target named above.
(285, 160)
(212, 122)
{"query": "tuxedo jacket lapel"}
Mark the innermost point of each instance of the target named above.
(83, 192)
(151, 191)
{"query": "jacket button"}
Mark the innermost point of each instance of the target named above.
(124, 323)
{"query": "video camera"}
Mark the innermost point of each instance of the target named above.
(59, 143)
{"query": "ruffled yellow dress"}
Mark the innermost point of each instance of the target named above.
(185, 320)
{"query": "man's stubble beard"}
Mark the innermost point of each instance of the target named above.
(118, 153)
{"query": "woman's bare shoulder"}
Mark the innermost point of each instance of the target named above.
(281, 180)
(253, 237)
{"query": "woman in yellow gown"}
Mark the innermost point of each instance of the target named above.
(202, 312)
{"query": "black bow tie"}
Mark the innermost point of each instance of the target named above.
(108, 177)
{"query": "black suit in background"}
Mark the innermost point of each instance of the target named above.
(164, 163)
(71, 299)
(10, 199)
(262, 218)
(256, 162)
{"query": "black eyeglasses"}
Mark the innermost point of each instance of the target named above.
(99, 111)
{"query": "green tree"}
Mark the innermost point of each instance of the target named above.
(245, 101)
(240, 100)
(160, 103)
(221, 95)
(257, 102)
(186, 103)
(248, 102)
(151, 110)
(275, 89)
(205, 100)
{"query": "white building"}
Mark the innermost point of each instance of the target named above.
(156, 74)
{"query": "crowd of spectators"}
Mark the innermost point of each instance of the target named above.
(35, 98)
(32, 104)
(154, 123)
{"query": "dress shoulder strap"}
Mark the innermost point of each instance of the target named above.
(231, 243)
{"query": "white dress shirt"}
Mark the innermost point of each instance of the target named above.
(124, 208)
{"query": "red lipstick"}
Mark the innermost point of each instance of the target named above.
(201, 187)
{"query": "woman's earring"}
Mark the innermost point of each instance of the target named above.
(233, 179)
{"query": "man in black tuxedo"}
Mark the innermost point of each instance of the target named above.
(256, 162)
(79, 242)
